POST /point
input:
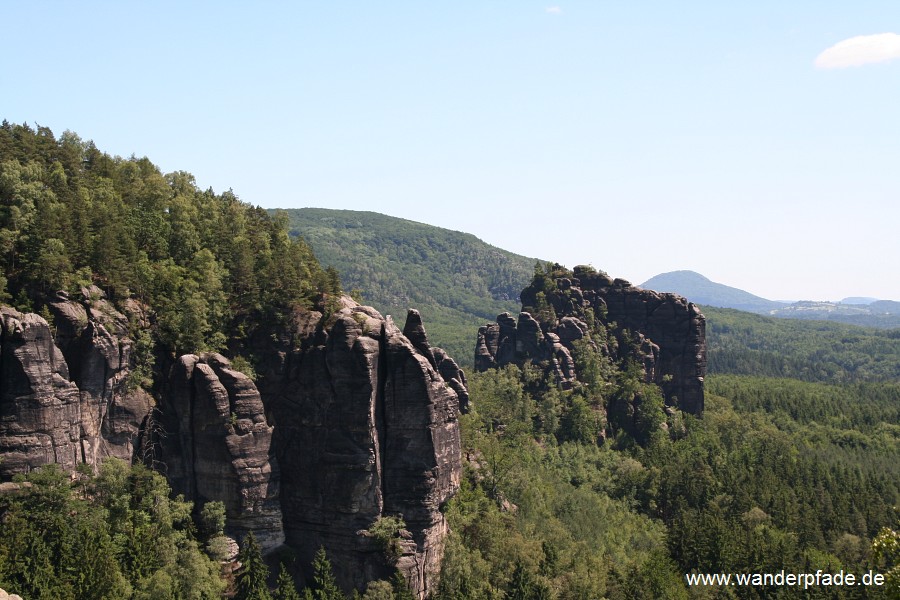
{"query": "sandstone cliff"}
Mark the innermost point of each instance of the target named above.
(64, 390)
(664, 333)
(365, 427)
(214, 443)
(352, 420)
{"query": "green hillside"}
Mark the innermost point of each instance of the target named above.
(746, 344)
(455, 280)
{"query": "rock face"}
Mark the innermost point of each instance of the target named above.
(365, 427)
(64, 391)
(353, 420)
(664, 333)
(217, 445)
(40, 411)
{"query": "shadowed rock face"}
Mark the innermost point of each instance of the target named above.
(365, 426)
(668, 333)
(64, 394)
(352, 421)
(40, 412)
(218, 445)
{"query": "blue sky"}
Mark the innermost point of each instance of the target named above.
(640, 137)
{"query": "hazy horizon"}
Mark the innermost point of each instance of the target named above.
(754, 144)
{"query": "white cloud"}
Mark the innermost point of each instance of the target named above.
(860, 50)
(554, 10)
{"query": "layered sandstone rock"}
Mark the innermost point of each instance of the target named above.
(40, 408)
(217, 445)
(365, 427)
(353, 420)
(65, 397)
(664, 333)
(93, 338)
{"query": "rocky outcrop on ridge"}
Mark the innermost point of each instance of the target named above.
(64, 392)
(664, 333)
(214, 443)
(365, 427)
(353, 420)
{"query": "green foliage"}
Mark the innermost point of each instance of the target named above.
(777, 474)
(251, 579)
(386, 532)
(886, 550)
(208, 266)
(241, 364)
(400, 588)
(116, 535)
(285, 588)
(212, 519)
(741, 343)
(324, 585)
(454, 279)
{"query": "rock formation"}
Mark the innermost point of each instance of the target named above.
(64, 390)
(40, 408)
(215, 444)
(664, 333)
(352, 420)
(365, 427)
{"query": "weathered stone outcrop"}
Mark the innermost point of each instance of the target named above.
(93, 338)
(365, 427)
(669, 321)
(217, 445)
(40, 412)
(664, 333)
(510, 342)
(64, 393)
(353, 420)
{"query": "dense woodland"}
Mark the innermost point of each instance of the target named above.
(777, 474)
(747, 344)
(207, 266)
(794, 465)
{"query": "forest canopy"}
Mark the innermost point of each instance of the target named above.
(207, 265)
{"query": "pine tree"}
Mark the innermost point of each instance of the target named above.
(520, 584)
(324, 585)
(284, 586)
(401, 589)
(251, 580)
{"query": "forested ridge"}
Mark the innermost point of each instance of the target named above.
(455, 280)
(208, 266)
(793, 465)
(778, 473)
(747, 344)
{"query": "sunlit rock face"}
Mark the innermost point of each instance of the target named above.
(217, 445)
(65, 396)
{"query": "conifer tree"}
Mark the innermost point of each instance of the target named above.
(251, 580)
(520, 584)
(324, 585)
(285, 589)
(401, 589)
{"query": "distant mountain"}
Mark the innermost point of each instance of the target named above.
(455, 280)
(858, 300)
(867, 312)
(700, 290)
(884, 314)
